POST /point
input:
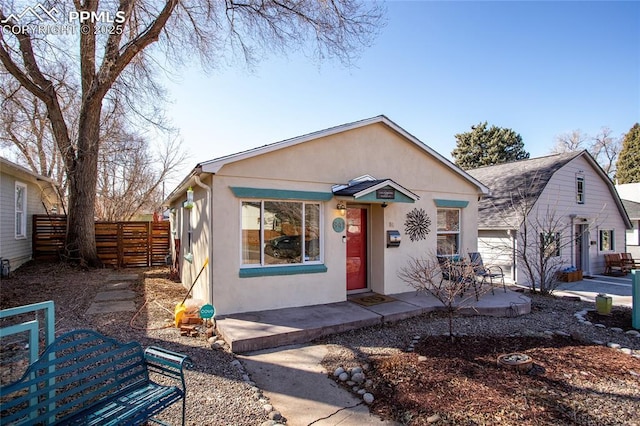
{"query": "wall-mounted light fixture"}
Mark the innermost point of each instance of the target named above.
(342, 208)
(384, 205)
(189, 203)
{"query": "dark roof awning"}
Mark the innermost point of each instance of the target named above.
(376, 191)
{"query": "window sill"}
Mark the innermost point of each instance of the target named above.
(281, 270)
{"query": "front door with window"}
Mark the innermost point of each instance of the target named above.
(356, 248)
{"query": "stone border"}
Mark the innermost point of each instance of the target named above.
(580, 316)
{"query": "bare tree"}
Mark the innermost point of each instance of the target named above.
(130, 173)
(449, 282)
(117, 61)
(569, 142)
(541, 242)
(25, 131)
(131, 176)
(544, 234)
(603, 147)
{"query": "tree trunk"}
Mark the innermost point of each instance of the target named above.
(81, 235)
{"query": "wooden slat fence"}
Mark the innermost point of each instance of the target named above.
(119, 244)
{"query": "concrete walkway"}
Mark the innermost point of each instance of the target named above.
(618, 287)
(117, 295)
(255, 331)
(293, 379)
(292, 376)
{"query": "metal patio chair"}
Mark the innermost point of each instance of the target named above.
(486, 273)
(454, 271)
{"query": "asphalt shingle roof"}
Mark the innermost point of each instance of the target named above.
(360, 186)
(632, 208)
(515, 187)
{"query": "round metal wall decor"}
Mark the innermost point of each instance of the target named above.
(417, 224)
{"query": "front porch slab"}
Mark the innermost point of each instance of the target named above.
(254, 331)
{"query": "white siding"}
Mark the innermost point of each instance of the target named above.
(633, 240)
(599, 211)
(496, 248)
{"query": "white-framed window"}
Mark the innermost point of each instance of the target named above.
(280, 233)
(607, 242)
(21, 210)
(580, 189)
(448, 232)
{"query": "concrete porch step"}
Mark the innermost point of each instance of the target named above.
(254, 331)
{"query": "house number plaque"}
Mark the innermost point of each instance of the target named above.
(386, 194)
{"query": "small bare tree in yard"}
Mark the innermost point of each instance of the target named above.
(454, 284)
(116, 63)
(545, 234)
(539, 250)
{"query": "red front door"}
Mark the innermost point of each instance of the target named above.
(356, 248)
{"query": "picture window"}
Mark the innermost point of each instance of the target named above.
(280, 233)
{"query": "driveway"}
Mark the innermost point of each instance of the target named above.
(619, 288)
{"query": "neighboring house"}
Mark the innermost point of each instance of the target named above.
(630, 195)
(308, 220)
(23, 193)
(566, 197)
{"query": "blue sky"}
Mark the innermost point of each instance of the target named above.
(436, 69)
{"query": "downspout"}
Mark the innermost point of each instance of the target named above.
(210, 203)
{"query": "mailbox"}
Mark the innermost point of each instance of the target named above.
(393, 239)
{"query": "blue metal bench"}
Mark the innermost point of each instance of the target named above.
(85, 378)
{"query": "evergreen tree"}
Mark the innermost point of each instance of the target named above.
(487, 147)
(628, 166)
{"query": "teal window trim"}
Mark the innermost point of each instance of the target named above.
(280, 194)
(281, 270)
(452, 204)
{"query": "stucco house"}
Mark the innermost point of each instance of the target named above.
(311, 219)
(565, 197)
(630, 195)
(23, 193)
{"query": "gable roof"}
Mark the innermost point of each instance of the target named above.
(632, 208)
(16, 169)
(361, 189)
(48, 187)
(516, 186)
(213, 166)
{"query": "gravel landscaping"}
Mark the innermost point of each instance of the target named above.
(582, 374)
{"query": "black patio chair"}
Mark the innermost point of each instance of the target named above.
(486, 272)
(454, 272)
